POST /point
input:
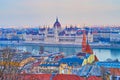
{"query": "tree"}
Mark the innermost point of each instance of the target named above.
(10, 68)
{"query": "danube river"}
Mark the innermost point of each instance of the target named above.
(102, 54)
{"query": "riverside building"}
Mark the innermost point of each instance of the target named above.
(56, 34)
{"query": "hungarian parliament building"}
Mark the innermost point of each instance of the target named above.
(58, 34)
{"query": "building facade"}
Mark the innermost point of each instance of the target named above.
(57, 34)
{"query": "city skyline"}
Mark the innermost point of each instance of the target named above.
(69, 12)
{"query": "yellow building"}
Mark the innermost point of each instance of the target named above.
(46, 68)
(66, 64)
(65, 69)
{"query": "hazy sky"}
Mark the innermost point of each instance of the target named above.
(44, 12)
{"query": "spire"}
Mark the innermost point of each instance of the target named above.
(56, 19)
(85, 45)
(87, 40)
(84, 42)
(88, 48)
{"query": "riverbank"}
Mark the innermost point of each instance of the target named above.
(49, 44)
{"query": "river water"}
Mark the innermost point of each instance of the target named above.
(102, 54)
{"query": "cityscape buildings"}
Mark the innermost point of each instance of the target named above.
(49, 65)
(59, 35)
(82, 43)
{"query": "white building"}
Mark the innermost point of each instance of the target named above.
(71, 35)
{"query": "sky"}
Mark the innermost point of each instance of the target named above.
(69, 12)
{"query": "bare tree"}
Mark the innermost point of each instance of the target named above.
(9, 65)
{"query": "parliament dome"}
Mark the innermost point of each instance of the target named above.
(57, 24)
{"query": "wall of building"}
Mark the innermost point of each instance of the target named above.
(65, 69)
